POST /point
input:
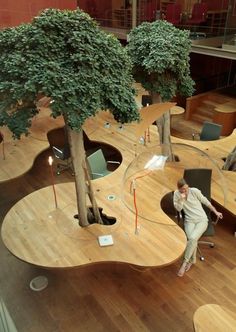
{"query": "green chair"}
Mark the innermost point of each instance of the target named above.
(210, 131)
(98, 164)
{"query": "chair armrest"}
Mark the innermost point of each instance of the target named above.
(216, 221)
(194, 135)
(178, 216)
(113, 162)
(100, 174)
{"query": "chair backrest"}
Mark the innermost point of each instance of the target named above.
(210, 131)
(199, 11)
(173, 13)
(201, 178)
(146, 99)
(97, 163)
(61, 153)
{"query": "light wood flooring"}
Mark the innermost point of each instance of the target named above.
(114, 297)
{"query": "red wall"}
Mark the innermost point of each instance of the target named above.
(96, 8)
(14, 12)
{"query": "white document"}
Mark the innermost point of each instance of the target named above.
(157, 162)
(105, 240)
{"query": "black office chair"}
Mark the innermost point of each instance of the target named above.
(201, 178)
(1, 137)
(146, 100)
(168, 207)
(2, 141)
(210, 132)
(63, 154)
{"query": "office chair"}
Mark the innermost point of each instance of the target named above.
(63, 154)
(199, 14)
(98, 164)
(1, 137)
(173, 13)
(146, 99)
(201, 178)
(210, 131)
(3, 144)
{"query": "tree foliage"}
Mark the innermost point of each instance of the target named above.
(63, 55)
(160, 57)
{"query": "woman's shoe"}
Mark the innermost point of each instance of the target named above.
(182, 270)
(188, 266)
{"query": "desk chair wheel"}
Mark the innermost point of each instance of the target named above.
(58, 172)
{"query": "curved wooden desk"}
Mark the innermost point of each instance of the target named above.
(214, 318)
(51, 238)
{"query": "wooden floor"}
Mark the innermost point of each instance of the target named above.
(114, 297)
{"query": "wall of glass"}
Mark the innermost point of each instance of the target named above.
(206, 18)
(212, 25)
(230, 26)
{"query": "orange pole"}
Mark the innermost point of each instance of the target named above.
(53, 186)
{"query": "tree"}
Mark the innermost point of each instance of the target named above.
(160, 58)
(65, 56)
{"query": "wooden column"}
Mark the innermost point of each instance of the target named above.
(134, 13)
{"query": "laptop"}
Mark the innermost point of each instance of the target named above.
(105, 240)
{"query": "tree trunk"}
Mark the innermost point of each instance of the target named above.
(78, 161)
(83, 183)
(96, 213)
(163, 126)
(230, 162)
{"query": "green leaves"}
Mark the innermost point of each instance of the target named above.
(18, 121)
(65, 56)
(160, 57)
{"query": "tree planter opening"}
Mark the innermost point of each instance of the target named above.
(107, 220)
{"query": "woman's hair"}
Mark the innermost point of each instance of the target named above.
(181, 183)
